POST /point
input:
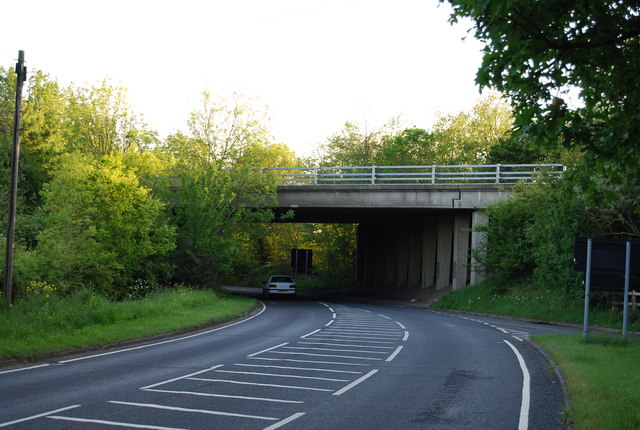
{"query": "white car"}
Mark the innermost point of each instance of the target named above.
(279, 285)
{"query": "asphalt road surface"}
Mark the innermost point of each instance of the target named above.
(309, 363)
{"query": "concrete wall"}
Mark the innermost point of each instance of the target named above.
(431, 251)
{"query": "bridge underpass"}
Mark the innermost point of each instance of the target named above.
(408, 237)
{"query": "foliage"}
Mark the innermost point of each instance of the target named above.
(540, 53)
(102, 228)
(602, 377)
(46, 321)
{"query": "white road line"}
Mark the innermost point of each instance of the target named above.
(387, 333)
(255, 384)
(526, 389)
(345, 344)
(181, 377)
(268, 349)
(395, 353)
(406, 336)
(297, 368)
(33, 417)
(279, 375)
(352, 338)
(384, 316)
(309, 334)
(356, 382)
(401, 326)
(329, 323)
(285, 421)
(198, 411)
(325, 355)
(225, 396)
(113, 423)
(363, 310)
(333, 315)
(292, 360)
(24, 368)
(306, 348)
(149, 345)
(517, 338)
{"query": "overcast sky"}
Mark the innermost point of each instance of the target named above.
(314, 63)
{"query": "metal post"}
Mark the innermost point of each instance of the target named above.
(373, 175)
(21, 77)
(627, 269)
(498, 173)
(587, 290)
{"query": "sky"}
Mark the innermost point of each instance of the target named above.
(312, 64)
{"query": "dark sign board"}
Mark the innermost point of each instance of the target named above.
(606, 255)
(301, 260)
(612, 282)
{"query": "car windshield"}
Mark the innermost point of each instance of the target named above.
(281, 279)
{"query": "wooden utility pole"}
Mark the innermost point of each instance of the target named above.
(21, 77)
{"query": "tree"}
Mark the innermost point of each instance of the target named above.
(467, 137)
(410, 147)
(102, 229)
(101, 123)
(538, 53)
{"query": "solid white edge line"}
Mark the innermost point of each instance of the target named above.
(24, 368)
(165, 341)
(267, 350)
(285, 421)
(33, 417)
(526, 389)
(394, 353)
(329, 323)
(356, 382)
(181, 377)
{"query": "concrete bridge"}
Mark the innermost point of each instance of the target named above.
(414, 223)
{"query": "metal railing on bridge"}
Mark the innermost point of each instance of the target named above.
(407, 175)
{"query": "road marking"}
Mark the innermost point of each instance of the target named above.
(309, 334)
(406, 336)
(198, 411)
(113, 423)
(268, 349)
(306, 348)
(353, 338)
(401, 326)
(325, 355)
(181, 377)
(395, 353)
(356, 382)
(329, 323)
(346, 344)
(292, 360)
(384, 316)
(255, 384)
(526, 389)
(297, 368)
(225, 396)
(279, 375)
(285, 421)
(24, 368)
(33, 417)
(149, 345)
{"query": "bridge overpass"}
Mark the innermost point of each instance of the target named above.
(415, 224)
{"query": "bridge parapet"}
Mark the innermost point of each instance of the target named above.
(504, 174)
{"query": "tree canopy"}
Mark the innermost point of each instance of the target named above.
(570, 69)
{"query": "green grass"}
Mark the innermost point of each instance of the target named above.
(603, 379)
(526, 301)
(47, 322)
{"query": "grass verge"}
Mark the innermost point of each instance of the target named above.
(47, 322)
(603, 379)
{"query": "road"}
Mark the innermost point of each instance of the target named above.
(301, 364)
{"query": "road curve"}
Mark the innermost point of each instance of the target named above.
(305, 364)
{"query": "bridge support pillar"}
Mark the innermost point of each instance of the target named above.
(443, 250)
(461, 226)
(478, 238)
(429, 236)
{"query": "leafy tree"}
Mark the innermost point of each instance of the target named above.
(467, 137)
(353, 146)
(539, 53)
(100, 122)
(410, 147)
(102, 228)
